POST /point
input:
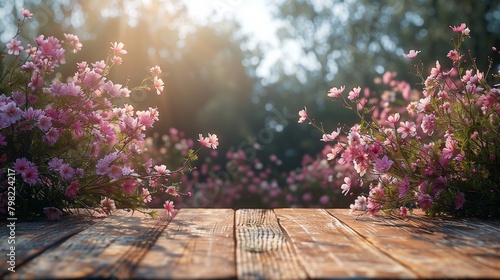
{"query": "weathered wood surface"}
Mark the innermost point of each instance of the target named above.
(256, 244)
(197, 244)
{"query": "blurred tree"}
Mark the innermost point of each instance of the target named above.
(207, 86)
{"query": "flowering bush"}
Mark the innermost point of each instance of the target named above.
(247, 180)
(71, 144)
(440, 151)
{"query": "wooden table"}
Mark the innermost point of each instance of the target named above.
(254, 244)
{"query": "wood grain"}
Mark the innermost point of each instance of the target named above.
(431, 248)
(262, 249)
(197, 244)
(110, 248)
(32, 238)
(329, 249)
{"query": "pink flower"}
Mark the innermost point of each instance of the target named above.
(459, 201)
(382, 165)
(453, 55)
(51, 136)
(424, 200)
(72, 189)
(393, 118)
(129, 186)
(210, 142)
(360, 204)
(108, 205)
(173, 191)
(407, 129)
(162, 170)
(155, 70)
(428, 124)
(26, 13)
(204, 141)
(334, 92)
(303, 115)
(346, 186)
(14, 47)
(330, 137)
(412, 54)
(44, 123)
(52, 213)
(66, 171)
(158, 85)
(147, 196)
(169, 206)
(459, 29)
(118, 48)
(403, 211)
(354, 93)
(10, 113)
(74, 42)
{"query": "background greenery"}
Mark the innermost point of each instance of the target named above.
(210, 67)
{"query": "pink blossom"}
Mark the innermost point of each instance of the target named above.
(155, 70)
(117, 48)
(108, 205)
(72, 189)
(459, 29)
(173, 191)
(428, 124)
(407, 129)
(411, 54)
(147, 196)
(334, 92)
(159, 85)
(55, 163)
(424, 200)
(330, 137)
(44, 123)
(346, 186)
(392, 119)
(51, 136)
(453, 55)
(74, 42)
(403, 211)
(334, 152)
(169, 206)
(360, 204)
(66, 171)
(52, 213)
(162, 170)
(303, 115)
(354, 93)
(10, 113)
(382, 165)
(14, 47)
(26, 13)
(129, 186)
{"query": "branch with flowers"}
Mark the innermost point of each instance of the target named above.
(70, 143)
(437, 150)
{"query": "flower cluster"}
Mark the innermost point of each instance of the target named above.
(438, 149)
(75, 143)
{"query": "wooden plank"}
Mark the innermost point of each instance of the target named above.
(197, 244)
(426, 248)
(262, 249)
(108, 249)
(329, 249)
(32, 238)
